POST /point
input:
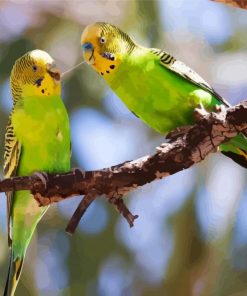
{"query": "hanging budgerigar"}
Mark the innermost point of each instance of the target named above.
(160, 90)
(37, 139)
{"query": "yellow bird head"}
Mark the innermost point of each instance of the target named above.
(35, 74)
(105, 46)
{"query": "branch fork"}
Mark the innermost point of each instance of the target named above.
(185, 147)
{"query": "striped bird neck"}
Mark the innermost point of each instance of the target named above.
(17, 74)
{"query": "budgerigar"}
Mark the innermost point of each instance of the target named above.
(37, 139)
(159, 89)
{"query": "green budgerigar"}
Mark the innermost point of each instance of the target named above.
(160, 90)
(37, 139)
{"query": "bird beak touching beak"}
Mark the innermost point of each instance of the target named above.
(54, 72)
(88, 52)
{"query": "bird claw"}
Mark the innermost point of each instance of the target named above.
(219, 108)
(178, 132)
(199, 112)
(78, 172)
(38, 191)
(43, 177)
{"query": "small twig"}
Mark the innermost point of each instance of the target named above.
(79, 212)
(123, 210)
(186, 147)
(234, 3)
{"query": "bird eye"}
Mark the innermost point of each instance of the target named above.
(35, 68)
(102, 40)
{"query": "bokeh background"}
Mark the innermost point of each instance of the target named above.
(191, 236)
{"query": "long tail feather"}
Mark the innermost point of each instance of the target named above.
(240, 157)
(14, 273)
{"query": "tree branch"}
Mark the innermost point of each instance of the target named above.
(186, 147)
(234, 3)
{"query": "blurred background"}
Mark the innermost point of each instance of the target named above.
(191, 235)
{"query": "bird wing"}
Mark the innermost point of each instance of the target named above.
(12, 151)
(178, 67)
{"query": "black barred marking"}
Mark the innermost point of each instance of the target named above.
(112, 66)
(165, 57)
(101, 73)
(168, 60)
(107, 71)
(114, 31)
(181, 69)
(20, 75)
(12, 151)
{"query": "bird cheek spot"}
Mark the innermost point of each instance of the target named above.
(38, 82)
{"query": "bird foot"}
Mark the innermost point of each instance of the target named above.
(78, 172)
(178, 132)
(43, 177)
(40, 190)
(199, 112)
(219, 108)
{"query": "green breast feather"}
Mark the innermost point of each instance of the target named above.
(42, 128)
(156, 93)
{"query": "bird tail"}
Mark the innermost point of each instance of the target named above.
(14, 273)
(236, 149)
(240, 158)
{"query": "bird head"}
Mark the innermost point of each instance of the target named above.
(35, 74)
(105, 46)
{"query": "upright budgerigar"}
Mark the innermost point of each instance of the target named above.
(37, 139)
(159, 89)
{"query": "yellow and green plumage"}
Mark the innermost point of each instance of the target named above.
(159, 89)
(37, 139)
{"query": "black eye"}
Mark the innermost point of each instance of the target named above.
(35, 68)
(102, 40)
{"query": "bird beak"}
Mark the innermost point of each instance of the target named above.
(88, 52)
(54, 72)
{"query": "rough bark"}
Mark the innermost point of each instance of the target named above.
(186, 147)
(234, 3)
